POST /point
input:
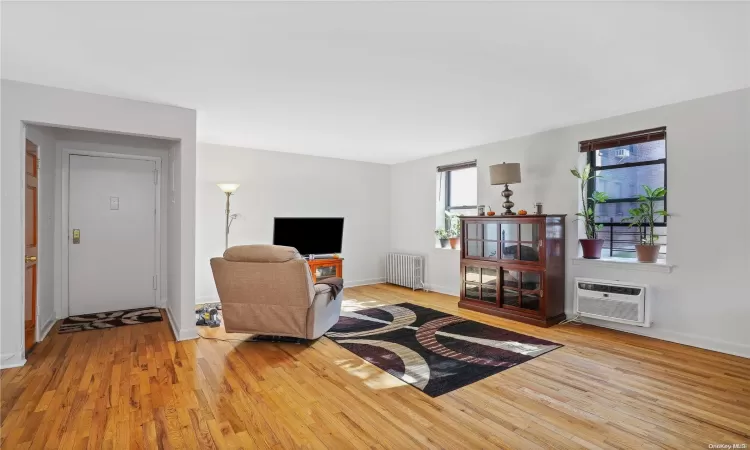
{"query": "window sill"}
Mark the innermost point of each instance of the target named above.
(625, 264)
(448, 248)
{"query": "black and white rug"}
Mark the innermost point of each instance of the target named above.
(433, 351)
(112, 319)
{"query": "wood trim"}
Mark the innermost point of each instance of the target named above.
(31, 244)
(636, 137)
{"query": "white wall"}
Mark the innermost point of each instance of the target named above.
(44, 137)
(33, 104)
(704, 301)
(283, 184)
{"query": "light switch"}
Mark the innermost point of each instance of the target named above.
(114, 203)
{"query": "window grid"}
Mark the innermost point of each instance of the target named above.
(620, 236)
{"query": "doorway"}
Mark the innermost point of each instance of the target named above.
(113, 239)
(32, 243)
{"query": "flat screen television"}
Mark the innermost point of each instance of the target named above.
(309, 235)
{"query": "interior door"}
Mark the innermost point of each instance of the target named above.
(112, 238)
(30, 278)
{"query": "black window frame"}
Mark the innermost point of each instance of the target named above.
(591, 159)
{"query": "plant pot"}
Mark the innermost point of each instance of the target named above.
(443, 243)
(454, 242)
(592, 248)
(647, 253)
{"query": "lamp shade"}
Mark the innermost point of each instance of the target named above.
(505, 173)
(228, 187)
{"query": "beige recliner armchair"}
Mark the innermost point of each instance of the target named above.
(268, 290)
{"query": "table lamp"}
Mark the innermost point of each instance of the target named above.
(506, 173)
(227, 188)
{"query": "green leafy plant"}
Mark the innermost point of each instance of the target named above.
(454, 225)
(588, 204)
(441, 234)
(645, 214)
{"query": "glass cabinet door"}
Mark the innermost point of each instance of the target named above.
(481, 240)
(473, 248)
(509, 239)
(489, 285)
(489, 231)
(473, 230)
(322, 272)
(480, 284)
(522, 289)
(520, 241)
(530, 241)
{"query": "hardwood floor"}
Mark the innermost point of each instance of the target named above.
(136, 387)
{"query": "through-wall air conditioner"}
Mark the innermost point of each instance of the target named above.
(614, 301)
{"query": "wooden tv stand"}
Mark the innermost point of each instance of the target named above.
(326, 268)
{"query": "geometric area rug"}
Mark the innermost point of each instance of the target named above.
(431, 350)
(112, 319)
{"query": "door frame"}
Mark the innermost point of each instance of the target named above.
(65, 218)
(39, 252)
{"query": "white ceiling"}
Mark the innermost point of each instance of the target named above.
(382, 82)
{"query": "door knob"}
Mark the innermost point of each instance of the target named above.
(30, 258)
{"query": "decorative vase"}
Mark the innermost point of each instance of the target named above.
(592, 248)
(443, 243)
(647, 253)
(454, 242)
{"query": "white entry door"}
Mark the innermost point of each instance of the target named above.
(112, 239)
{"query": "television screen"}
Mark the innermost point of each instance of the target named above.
(309, 235)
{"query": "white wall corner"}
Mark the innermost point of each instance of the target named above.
(180, 334)
(48, 324)
(453, 291)
(11, 360)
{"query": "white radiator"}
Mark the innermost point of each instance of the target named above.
(404, 270)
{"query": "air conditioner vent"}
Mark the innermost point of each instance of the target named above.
(609, 308)
(612, 300)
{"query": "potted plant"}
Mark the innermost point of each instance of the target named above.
(454, 229)
(592, 246)
(442, 236)
(645, 215)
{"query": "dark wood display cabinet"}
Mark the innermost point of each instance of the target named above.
(514, 267)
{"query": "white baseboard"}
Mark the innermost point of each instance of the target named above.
(11, 360)
(442, 289)
(172, 324)
(365, 282)
(47, 326)
(186, 335)
(693, 340)
(202, 300)
(179, 334)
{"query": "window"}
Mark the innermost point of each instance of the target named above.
(456, 192)
(624, 164)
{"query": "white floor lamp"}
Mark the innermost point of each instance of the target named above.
(228, 188)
